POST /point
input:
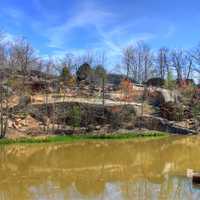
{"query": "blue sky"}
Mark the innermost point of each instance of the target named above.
(55, 27)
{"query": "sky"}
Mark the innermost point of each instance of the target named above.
(57, 27)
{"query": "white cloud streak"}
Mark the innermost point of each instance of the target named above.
(112, 37)
(8, 38)
(87, 16)
(112, 34)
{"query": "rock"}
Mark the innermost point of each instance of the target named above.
(10, 124)
(25, 124)
(158, 96)
(172, 111)
(15, 126)
(98, 127)
(17, 120)
(160, 124)
(24, 101)
(169, 96)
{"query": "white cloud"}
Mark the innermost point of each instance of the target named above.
(86, 15)
(112, 36)
(8, 38)
(113, 42)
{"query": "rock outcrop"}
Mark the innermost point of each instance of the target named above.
(158, 96)
(160, 124)
(169, 96)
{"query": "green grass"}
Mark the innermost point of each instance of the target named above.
(66, 138)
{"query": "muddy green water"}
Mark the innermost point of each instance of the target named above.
(114, 170)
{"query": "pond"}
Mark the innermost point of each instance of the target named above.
(110, 170)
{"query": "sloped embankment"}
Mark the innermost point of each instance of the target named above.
(66, 117)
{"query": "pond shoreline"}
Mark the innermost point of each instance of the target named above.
(89, 137)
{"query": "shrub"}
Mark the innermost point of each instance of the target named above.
(75, 116)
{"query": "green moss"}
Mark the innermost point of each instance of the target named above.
(66, 138)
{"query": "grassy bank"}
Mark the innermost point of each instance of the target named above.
(73, 138)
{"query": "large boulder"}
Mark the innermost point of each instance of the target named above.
(159, 96)
(169, 96)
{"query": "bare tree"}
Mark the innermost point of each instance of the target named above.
(138, 62)
(4, 106)
(163, 62)
(23, 57)
(68, 61)
(3, 92)
(195, 54)
(48, 67)
(100, 72)
(188, 67)
(145, 62)
(182, 62)
(129, 61)
(88, 58)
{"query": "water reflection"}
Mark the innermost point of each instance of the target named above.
(100, 170)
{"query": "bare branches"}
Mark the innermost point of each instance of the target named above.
(182, 62)
(23, 54)
(195, 54)
(138, 62)
(163, 62)
(3, 94)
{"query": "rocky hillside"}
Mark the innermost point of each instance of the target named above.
(44, 105)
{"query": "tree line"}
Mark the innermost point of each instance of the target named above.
(138, 61)
(141, 63)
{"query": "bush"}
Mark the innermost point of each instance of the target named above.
(120, 116)
(75, 114)
(65, 74)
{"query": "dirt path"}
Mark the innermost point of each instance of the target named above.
(41, 99)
